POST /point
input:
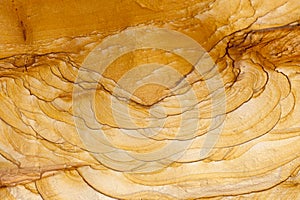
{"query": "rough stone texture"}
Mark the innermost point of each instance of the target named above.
(256, 47)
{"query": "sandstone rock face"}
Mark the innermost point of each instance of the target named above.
(140, 99)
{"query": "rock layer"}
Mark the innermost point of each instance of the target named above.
(160, 128)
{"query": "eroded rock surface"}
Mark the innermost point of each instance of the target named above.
(151, 125)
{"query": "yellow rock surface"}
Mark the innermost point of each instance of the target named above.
(141, 99)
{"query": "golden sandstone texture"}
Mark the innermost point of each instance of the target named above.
(149, 99)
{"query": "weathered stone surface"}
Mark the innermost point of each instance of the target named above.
(156, 122)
